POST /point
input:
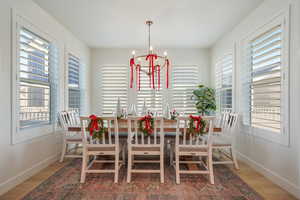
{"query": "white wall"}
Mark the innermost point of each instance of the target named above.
(279, 163)
(121, 56)
(19, 161)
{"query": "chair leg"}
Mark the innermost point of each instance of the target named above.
(117, 166)
(177, 168)
(123, 156)
(210, 167)
(162, 178)
(171, 157)
(84, 165)
(233, 155)
(129, 167)
(65, 145)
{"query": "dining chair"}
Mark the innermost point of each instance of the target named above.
(69, 119)
(224, 141)
(104, 150)
(146, 146)
(191, 149)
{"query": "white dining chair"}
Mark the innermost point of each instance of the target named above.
(71, 139)
(101, 150)
(224, 141)
(146, 146)
(190, 149)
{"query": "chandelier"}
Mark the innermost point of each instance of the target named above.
(150, 64)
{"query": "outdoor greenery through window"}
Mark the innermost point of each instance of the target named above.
(34, 81)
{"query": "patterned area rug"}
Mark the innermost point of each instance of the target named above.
(64, 184)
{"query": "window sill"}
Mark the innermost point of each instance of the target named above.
(278, 138)
(29, 134)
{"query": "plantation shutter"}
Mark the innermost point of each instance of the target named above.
(152, 97)
(224, 83)
(113, 85)
(73, 83)
(34, 81)
(184, 81)
(264, 80)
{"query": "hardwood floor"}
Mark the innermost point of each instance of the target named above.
(262, 185)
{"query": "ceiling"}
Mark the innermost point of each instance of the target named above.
(121, 23)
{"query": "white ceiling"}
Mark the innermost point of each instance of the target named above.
(177, 23)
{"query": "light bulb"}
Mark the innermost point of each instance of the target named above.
(133, 52)
(151, 48)
(165, 53)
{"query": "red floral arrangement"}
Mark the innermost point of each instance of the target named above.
(146, 125)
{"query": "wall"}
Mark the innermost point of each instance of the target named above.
(279, 163)
(19, 161)
(120, 56)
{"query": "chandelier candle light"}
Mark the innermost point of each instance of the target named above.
(155, 64)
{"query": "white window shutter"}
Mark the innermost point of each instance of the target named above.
(184, 80)
(74, 83)
(34, 86)
(224, 83)
(113, 84)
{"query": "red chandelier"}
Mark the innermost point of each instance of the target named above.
(155, 63)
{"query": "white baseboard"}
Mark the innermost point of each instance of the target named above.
(14, 181)
(274, 177)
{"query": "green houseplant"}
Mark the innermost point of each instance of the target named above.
(205, 99)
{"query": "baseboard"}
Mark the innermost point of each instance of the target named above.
(274, 177)
(14, 181)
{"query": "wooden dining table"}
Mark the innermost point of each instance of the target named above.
(169, 126)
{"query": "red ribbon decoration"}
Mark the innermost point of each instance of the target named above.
(168, 64)
(147, 120)
(152, 58)
(131, 71)
(138, 76)
(94, 124)
(158, 75)
(197, 119)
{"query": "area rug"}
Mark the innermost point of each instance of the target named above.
(64, 184)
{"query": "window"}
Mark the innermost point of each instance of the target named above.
(224, 83)
(184, 81)
(114, 86)
(34, 80)
(152, 97)
(73, 83)
(265, 79)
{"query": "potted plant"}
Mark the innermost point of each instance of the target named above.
(205, 99)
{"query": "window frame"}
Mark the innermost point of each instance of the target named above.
(22, 135)
(282, 18)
